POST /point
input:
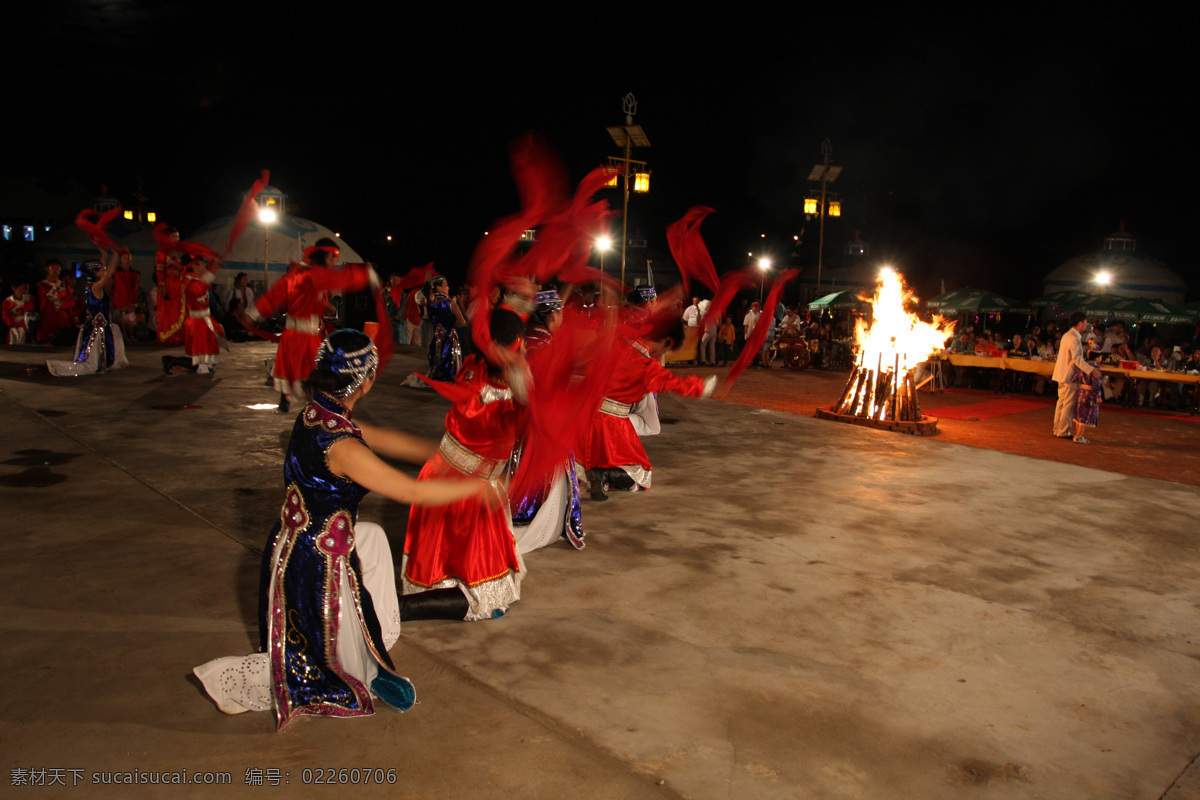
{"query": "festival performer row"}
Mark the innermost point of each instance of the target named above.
(99, 345)
(304, 293)
(19, 313)
(328, 607)
(56, 303)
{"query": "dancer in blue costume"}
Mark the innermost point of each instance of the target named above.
(554, 512)
(99, 346)
(445, 353)
(328, 608)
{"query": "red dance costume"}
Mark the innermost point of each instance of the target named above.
(16, 315)
(56, 305)
(466, 544)
(612, 442)
(172, 310)
(303, 293)
(201, 333)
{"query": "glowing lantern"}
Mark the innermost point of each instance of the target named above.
(810, 205)
(835, 208)
(641, 182)
(151, 216)
(128, 215)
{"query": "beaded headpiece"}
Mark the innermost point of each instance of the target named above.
(648, 293)
(359, 364)
(547, 302)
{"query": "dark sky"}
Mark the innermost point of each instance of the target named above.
(976, 149)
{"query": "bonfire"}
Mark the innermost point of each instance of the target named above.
(882, 390)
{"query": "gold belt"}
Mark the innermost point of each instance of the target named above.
(469, 462)
(615, 408)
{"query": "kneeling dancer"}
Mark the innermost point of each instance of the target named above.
(461, 561)
(328, 610)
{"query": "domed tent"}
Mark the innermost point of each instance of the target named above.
(1129, 273)
(266, 250)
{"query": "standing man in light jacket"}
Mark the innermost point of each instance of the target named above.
(1070, 355)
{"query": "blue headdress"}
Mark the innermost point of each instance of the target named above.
(546, 303)
(357, 365)
(648, 293)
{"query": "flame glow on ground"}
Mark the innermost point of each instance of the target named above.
(894, 332)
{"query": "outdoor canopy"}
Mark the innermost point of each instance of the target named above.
(838, 300)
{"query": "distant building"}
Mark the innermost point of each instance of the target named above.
(1131, 273)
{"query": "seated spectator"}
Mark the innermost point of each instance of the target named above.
(1154, 360)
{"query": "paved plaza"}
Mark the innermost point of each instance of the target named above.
(798, 609)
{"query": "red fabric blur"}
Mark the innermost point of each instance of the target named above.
(92, 223)
(691, 256)
(247, 212)
(759, 335)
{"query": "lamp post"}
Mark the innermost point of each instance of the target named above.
(628, 136)
(826, 174)
(270, 208)
(603, 244)
(764, 265)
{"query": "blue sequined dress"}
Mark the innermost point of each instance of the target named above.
(99, 346)
(445, 354)
(328, 610)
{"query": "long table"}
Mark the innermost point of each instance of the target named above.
(1047, 368)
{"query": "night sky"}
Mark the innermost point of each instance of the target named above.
(981, 150)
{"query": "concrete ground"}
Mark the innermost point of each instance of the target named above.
(799, 609)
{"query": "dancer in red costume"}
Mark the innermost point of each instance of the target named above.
(612, 452)
(202, 335)
(55, 303)
(19, 312)
(460, 560)
(168, 276)
(304, 293)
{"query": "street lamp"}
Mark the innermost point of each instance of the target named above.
(603, 244)
(826, 174)
(628, 136)
(270, 209)
(764, 266)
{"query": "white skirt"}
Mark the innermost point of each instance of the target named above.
(243, 683)
(91, 365)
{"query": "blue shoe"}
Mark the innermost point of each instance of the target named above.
(397, 692)
(497, 613)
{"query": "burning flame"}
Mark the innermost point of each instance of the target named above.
(896, 339)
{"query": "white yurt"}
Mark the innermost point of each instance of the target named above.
(266, 249)
(1128, 272)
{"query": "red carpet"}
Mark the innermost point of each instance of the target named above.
(989, 409)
